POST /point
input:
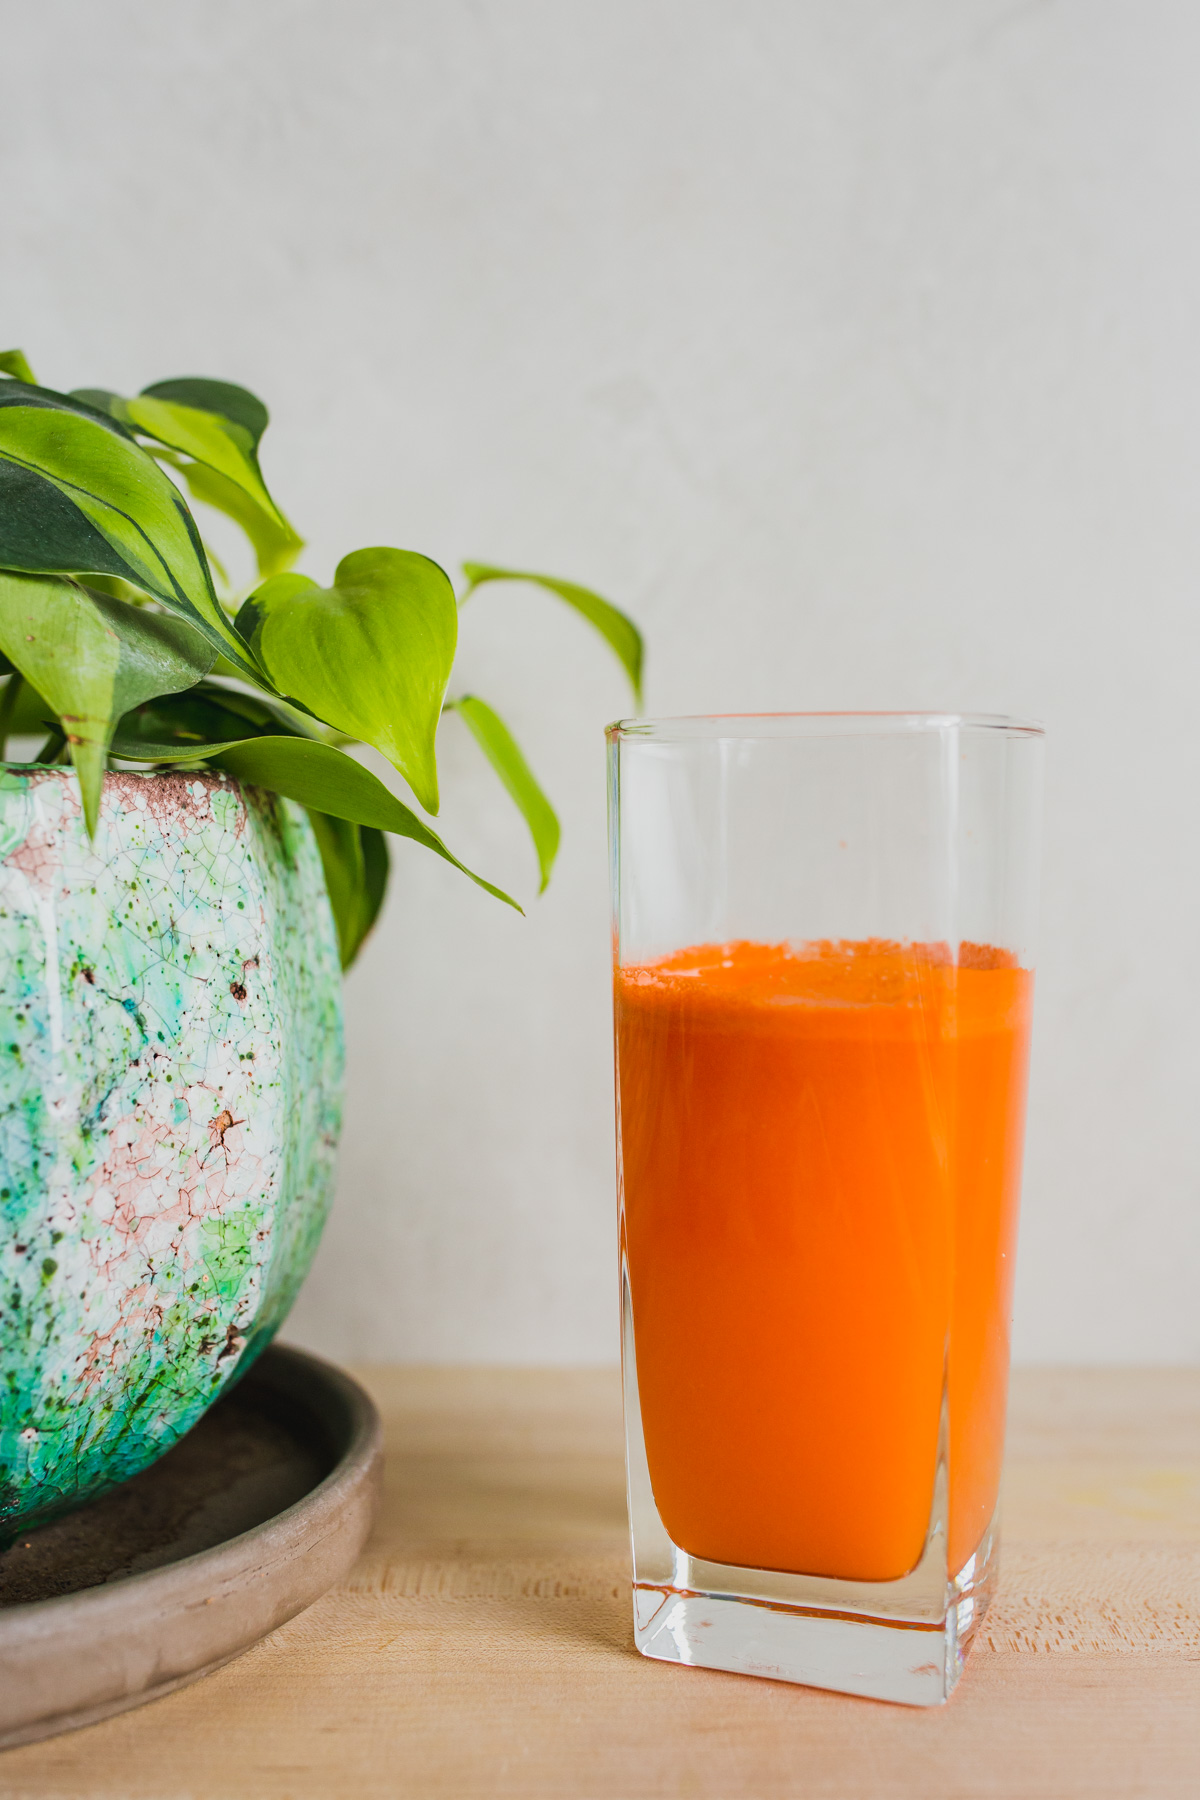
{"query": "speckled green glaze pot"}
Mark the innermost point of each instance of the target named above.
(170, 1101)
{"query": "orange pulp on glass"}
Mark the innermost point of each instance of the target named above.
(820, 1152)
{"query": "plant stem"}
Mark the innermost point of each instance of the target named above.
(53, 748)
(8, 706)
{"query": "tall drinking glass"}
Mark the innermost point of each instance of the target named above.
(823, 990)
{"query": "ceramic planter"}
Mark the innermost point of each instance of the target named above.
(170, 1097)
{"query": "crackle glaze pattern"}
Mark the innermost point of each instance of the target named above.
(170, 1097)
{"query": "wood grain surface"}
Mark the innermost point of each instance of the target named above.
(483, 1647)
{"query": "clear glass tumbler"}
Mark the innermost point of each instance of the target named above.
(823, 991)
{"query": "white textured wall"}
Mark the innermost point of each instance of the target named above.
(852, 345)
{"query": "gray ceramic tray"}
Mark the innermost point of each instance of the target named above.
(248, 1520)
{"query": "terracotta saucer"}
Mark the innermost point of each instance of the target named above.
(249, 1519)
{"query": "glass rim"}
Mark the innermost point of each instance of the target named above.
(750, 725)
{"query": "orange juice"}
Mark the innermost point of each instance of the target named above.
(820, 1150)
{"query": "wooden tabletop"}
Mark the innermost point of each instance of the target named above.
(482, 1646)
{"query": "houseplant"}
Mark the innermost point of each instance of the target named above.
(184, 865)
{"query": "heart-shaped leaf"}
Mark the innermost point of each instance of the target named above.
(316, 775)
(614, 626)
(79, 496)
(93, 658)
(503, 752)
(218, 426)
(370, 655)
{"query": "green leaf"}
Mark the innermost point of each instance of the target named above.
(205, 714)
(370, 655)
(219, 426)
(79, 496)
(502, 751)
(272, 596)
(314, 774)
(12, 362)
(27, 713)
(14, 687)
(22, 711)
(355, 861)
(340, 844)
(237, 405)
(31, 715)
(376, 868)
(275, 544)
(119, 589)
(93, 658)
(614, 626)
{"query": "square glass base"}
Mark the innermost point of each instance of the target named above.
(721, 1626)
(902, 1640)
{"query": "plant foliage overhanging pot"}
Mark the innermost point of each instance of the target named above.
(171, 1048)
